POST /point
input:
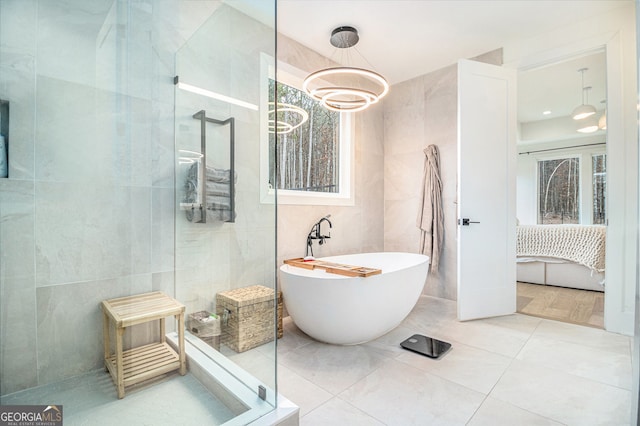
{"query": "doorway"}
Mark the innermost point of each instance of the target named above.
(562, 189)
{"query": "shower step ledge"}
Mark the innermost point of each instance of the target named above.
(239, 383)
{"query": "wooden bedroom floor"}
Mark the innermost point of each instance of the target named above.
(582, 307)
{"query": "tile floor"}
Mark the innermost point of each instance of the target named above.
(514, 370)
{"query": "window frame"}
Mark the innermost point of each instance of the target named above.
(294, 77)
(562, 156)
(586, 179)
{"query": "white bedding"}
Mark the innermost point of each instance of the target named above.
(582, 244)
(562, 255)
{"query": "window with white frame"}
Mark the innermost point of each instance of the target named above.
(559, 191)
(572, 188)
(307, 145)
(304, 161)
(599, 174)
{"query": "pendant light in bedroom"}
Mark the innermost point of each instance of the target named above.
(345, 88)
(583, 110)
(602, 122)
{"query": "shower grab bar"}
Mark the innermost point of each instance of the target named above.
(202, 116)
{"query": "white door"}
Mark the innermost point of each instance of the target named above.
(486, 190)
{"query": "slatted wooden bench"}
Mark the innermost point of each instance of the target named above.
(148, 361)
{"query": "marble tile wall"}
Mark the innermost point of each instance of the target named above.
(417, 113)
(87, 212)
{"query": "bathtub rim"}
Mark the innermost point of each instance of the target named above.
(321, 273)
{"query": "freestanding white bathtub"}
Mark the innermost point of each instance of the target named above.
(345, 310)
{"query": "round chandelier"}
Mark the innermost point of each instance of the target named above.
(347, 89)
(285, 118)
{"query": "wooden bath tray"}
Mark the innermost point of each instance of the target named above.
(334, 268)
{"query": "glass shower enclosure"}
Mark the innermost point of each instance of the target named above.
(130, 165)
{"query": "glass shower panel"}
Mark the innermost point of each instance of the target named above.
(77, 218)
(88, 211)
(225, 235)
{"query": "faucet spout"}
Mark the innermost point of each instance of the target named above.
(319, 226)
(316, 234)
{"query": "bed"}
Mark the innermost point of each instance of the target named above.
(562, 255)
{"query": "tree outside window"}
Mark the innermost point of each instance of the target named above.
(308, 156)
(599, 167)
(559, 191)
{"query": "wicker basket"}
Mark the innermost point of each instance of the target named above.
(247, 316)
(280, 330)
(207, 328)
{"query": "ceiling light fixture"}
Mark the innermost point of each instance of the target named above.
(602, 122)
(584, 110)
(280, 118)
(588, 125)
(345, 88)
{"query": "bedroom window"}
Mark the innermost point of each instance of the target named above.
(559, 191)
(599, 167)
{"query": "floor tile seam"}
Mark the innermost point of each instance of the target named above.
(283, 351)
(588, 346)
(477, 409)
(531, 335)
(292, 371)
(364, 377)
(527, 410)
(360, 410)
(317, 407)
(512, 360)
(433, 374)
(418, 372)
(491, 394)
(443, 377)
(599, 350)
(577, 376)
(471, 345)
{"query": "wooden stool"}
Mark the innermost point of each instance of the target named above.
(142, 363)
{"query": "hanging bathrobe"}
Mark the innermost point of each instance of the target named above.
(430, 215)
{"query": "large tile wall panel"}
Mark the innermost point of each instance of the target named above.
(69, 320)
(162, 229)
(17, 287)
(16, 228)
(67, 146)
(18, 358)
(17, 81)
(89, 232)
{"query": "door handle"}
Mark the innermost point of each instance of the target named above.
(466, 221)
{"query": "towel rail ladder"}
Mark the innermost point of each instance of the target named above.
(202, 116)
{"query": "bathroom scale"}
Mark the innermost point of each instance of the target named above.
(427, 346)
